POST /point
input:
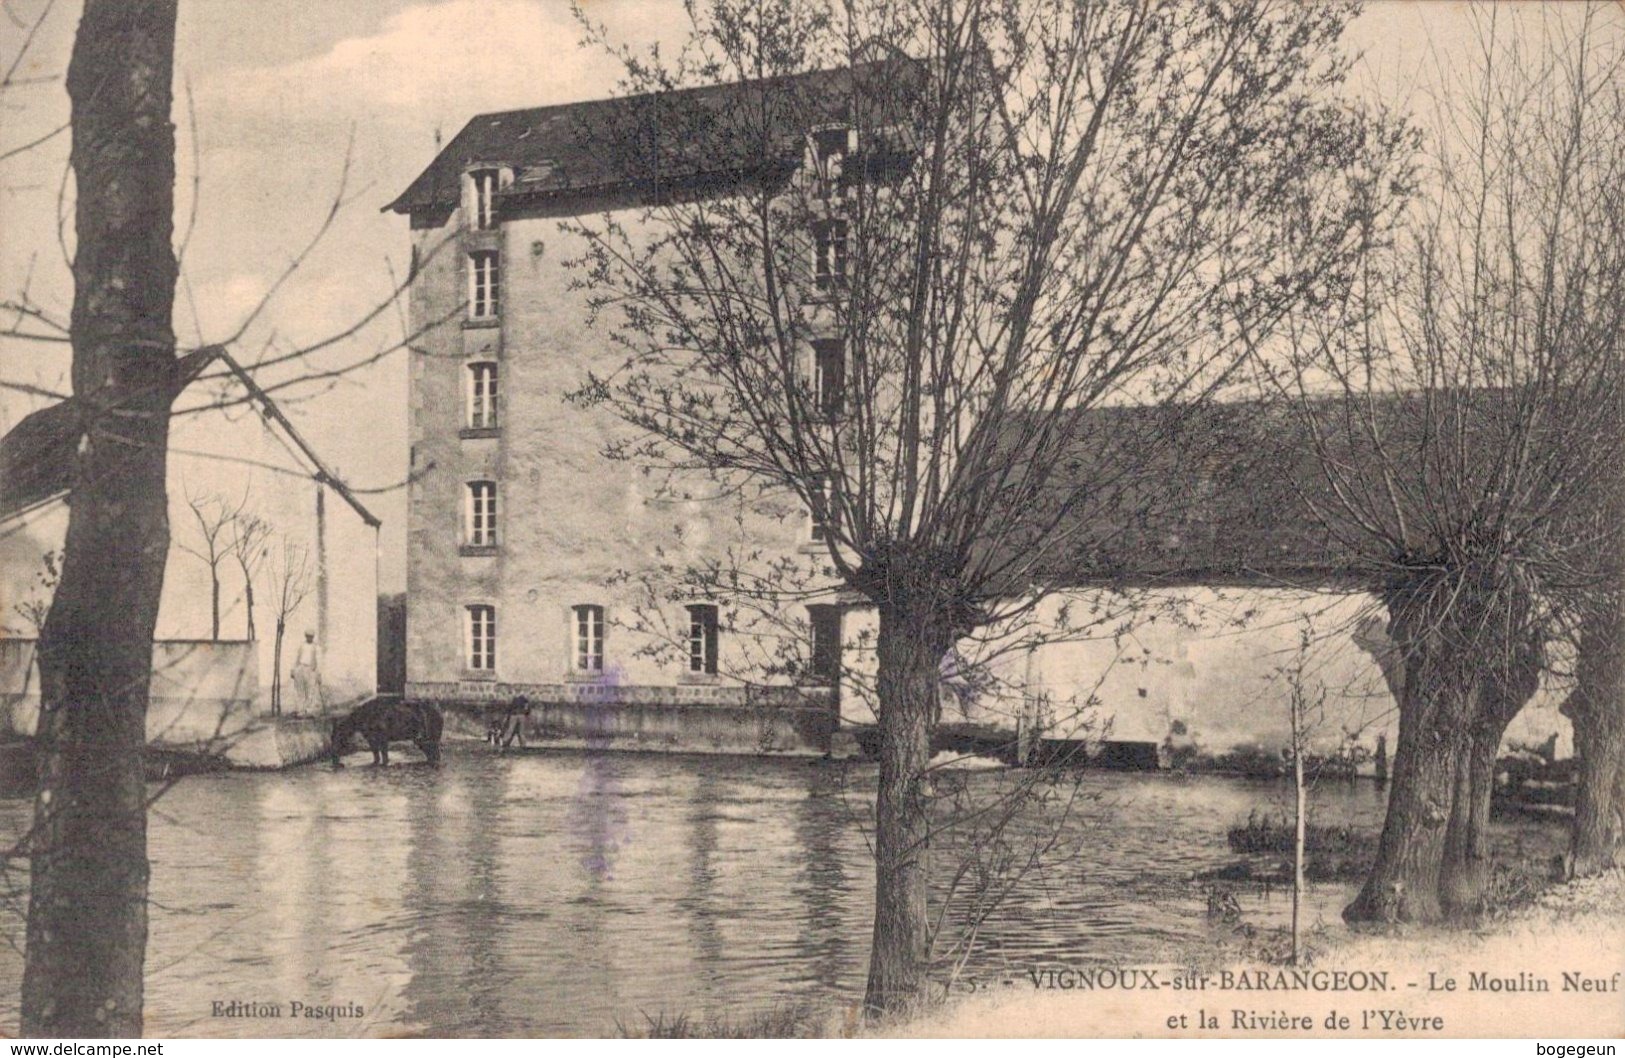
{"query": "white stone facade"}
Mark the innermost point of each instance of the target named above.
(1199, 669)
(569, 522)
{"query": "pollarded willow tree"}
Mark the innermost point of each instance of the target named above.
(1592, 622)
(1458, 419)
(1589, 594)
(894, 290)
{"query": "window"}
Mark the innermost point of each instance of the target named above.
(829, 377)
(825, 622)
(482, 284)
(830, 148)
(589, 638)
(480, 514)
(702, 639)
(823, 514)
(483, 202)
(482, 396)
(829, 259)
(481, 644)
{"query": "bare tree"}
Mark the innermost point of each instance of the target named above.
(1591, 611)
(215, 521)
(83, 972)
(990, 834)
(1455, 419)
(1297, 712)
(291, 583)
(250, 534)
(87, 845)
(902, 295)
(1597, 708)
(17, 76)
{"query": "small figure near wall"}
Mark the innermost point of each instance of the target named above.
(504, 727)
(307, 677)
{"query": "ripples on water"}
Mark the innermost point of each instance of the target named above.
(557, 893)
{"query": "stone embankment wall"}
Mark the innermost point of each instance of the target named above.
(203, 692)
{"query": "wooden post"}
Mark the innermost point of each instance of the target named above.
(321, 566)
(1301, 823)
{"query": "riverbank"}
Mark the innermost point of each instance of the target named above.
(261, 744)
(1552, 969)
(497, 894)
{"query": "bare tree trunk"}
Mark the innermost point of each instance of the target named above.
(276, 669)
(1507, 685)
(248, 602)
(909, 657)
(1434, 717)
(1597, 708)
(214, 605)
(87, 915)
(1300, 820)
(1599, 807)
(1465, 873)
(1599, 802)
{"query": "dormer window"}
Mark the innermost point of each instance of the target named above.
(830, 148)
(483, 184)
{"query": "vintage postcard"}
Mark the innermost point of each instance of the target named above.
(796, 518)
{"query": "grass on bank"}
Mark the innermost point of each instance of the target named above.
(796, 1022)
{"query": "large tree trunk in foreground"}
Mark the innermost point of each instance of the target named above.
(1507, 685)
(1464, 875)
(909, 658)
(1597, 708)
(87, 915)
(1435, 714)
(1404, 882)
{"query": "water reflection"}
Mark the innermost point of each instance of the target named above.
(824, 889)
(558, 893)
(698, 904)
(456, 913)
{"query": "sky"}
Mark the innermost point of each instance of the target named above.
(270, 92)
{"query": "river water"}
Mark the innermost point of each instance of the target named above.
(561, 893)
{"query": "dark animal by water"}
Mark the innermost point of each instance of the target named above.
(380, 723)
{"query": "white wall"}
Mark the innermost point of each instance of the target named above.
(1214, 662)
(202, 692)
(349, 657)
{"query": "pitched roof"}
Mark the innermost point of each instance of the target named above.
(36, 458)
(1211, 493)
(37, 455)
(601, 144)
(1261, 492)
(1172, 494)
